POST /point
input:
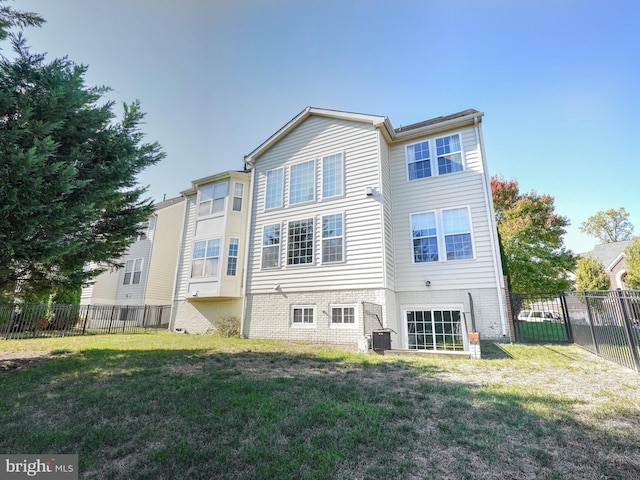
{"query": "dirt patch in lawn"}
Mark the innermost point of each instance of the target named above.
(12, 361)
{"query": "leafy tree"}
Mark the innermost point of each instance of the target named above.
(15, 18)
(531, 235)
(632, 265)
(69, 193)
(608, 226)
(590, 274)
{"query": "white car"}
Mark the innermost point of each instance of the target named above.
(538, 316)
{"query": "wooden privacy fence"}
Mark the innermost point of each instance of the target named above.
(29, 321)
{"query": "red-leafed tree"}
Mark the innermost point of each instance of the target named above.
(531, 232)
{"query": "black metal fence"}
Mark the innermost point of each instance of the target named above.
(607, 323)
(539, 317)
(29, 321)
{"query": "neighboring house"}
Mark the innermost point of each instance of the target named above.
(149, 264)
(612, 257)
(356, 225)
(211, 266)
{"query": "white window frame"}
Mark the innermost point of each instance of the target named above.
(441, 235)
(238, 194)
(341, 306)
(433, 308)
(324, 239)
(302, 324)
(232, 254)
(277, 189)
(271, 245)
(291, 243)
(467, 231)
(133, 271)
(143, 232)
(326, 178)
(294, 185)
(210, 206)
(413, 253)
(434, 158)
(205, 258)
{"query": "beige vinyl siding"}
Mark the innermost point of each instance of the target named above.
(459, 189)
(184, 269)
(164, 254)
(230, 225)
(313, 139)
(103, 290)
(133, 294)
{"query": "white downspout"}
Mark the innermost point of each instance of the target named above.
(245, 274)
(497, 265)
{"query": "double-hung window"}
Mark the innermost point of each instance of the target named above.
(449, 154)
(419, 160)
(212, 198)
(424, 232)
(232, 257)
(271, 246)
(332, 238)
(132, 272)
(300, 242)
(302, 182)
(238, 190)
(303, 315)
(448, 157)
(274, 189)
(457, 233)
(206, 256)
(343, 315)
(332, 176)
(441, 235)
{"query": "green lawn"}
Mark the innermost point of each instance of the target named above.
(541, 331)
(169, 406)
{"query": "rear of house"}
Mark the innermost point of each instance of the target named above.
(208, 285)
(357, 226)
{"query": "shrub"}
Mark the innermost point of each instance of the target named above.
(227, 327)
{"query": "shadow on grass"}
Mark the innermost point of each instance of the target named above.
(199, 414)
(493, 351)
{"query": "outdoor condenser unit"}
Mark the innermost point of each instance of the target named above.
(381, 339)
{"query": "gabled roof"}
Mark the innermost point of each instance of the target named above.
(610, 254)
(439, 120)
(377, 121)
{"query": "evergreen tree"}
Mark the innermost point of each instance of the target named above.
(590, 274)
(69, 193)
(531, 236)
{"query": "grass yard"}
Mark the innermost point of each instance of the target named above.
(169, 406)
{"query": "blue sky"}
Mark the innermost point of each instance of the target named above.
(558, 81)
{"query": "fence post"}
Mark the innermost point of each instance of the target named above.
(590, 320)
(86, 319)
(565, 314)
(113, 311)
(627, 328)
